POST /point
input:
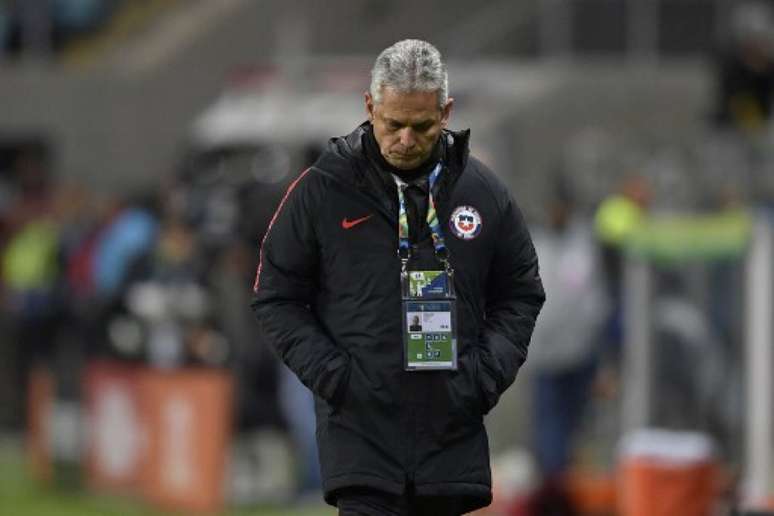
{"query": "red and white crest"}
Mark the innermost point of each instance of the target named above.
(465, 222)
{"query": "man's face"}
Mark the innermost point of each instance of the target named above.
(407, 125)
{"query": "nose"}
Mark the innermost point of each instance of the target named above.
(407, 138)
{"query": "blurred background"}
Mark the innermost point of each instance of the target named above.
(144, 145)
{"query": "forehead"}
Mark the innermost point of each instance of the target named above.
(411, 105)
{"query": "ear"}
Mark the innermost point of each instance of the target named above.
(446, 112)
(369, 105)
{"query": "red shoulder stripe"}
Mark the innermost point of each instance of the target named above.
(271, 224)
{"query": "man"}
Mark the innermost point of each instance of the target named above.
(567, 349)
(745, 72)
(400, 431)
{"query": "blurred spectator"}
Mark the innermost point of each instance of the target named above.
(130, 234)
(745, 89)
(217, 208)
(298, 406)
(40, 27)
(29, 264)
(165, 293)
(746, 71)
(253, 364)
(32, 27)
(75, 17)
(566, 343)
(26, 27)
(80, 245)
(617, 216)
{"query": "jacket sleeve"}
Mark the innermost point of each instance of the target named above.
(514, 296)
(285, 289)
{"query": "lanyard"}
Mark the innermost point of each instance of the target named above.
(404, 246)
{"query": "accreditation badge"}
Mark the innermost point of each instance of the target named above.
(429, 322)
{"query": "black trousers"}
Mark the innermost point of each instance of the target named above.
(363, 501)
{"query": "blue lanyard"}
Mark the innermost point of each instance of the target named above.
(404, 246)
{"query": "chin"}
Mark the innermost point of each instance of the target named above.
(403, 164)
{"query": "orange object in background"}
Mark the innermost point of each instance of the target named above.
(657, 488)
(114, 450)
(187, 415)
(668, 473)
(592, 494)
(40, 405)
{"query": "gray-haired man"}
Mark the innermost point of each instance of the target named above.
(398, 281)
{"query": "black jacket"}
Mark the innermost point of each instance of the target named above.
(327, 295)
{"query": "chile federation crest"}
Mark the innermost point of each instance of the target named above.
(465, 222)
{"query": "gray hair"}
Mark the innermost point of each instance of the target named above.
(410, 65)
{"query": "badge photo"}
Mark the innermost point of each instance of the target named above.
(465, 222)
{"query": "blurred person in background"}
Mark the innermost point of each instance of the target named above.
(616, 218)
(566, 344)
(745, 81)
(328, 296)
(127, 232)
(30, 264)
(40, 28)
(219, 213)
(166, 292)
(85, 306)
(298, 409)
(255, 367)
(744, 95)
(29, 27)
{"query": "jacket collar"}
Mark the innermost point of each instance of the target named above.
(345, 160)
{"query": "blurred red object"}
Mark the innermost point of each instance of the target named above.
(656, 488)
(40, 404)
(187, 414)
(592, 494)
(114, 450)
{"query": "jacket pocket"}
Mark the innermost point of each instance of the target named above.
(486, 379)
(360, 390)
(467, 385)
(452, 409)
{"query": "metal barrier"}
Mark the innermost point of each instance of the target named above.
(759, 365)
(707, 238)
